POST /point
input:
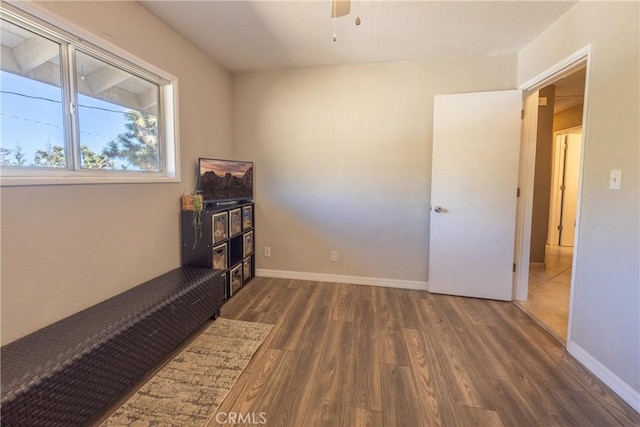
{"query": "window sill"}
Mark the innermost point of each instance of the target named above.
(80, 179)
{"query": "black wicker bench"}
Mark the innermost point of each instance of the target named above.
(71, 371)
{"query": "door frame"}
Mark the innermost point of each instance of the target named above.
(527, 167)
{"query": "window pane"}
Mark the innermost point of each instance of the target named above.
(117, 117)
(31, 100)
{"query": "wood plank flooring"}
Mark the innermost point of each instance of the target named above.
(351, 355)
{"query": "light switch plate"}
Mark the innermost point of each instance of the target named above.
(615, 179)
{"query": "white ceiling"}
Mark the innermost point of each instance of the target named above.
(255, 35)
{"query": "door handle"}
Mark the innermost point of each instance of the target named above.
(438, 209)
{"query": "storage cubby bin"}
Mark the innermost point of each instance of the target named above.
(247, 217)
(220, 257)
(236, 279)
(220, 227)
(225, 280)
(246, 270)
(247, 244)
(235, 220)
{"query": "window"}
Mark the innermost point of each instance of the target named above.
(73, 112)
(117, 118)
(32, 116)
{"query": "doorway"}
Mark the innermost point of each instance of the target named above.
(555, 201)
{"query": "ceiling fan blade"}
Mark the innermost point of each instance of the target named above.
(340, 8)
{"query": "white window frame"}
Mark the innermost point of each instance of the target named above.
(33, 16)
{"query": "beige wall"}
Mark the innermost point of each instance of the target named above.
(343, 160)
(606, 311)
(568, 119)
(542, 180)
(65, 248)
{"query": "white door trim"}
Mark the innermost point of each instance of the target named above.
(523, 222)
(557, 167)
(561, 69)
(525, 201)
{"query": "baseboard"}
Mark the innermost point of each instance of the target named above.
(336, 278)
(622, 389)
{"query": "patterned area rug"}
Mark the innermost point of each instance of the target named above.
(188, 390)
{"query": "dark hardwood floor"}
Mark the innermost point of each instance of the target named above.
(350, 355)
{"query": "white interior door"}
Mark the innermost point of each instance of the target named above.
(570, 193)
(476, 140)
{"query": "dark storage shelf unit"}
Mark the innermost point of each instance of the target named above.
(226, 242)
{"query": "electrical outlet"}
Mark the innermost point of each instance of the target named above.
(334, 256)
(267, 252)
